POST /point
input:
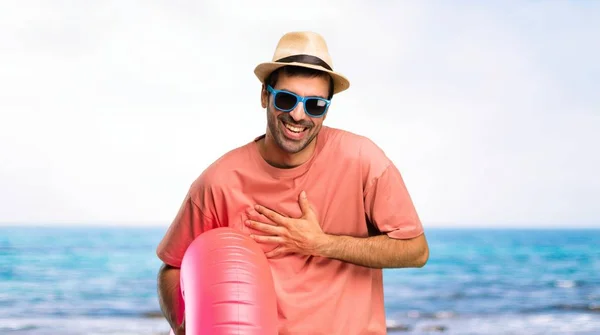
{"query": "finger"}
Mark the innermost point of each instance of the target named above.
(256, 216)
(272, 215)
(304, 205)
(265, 227)
(277, 252)
(267, 239)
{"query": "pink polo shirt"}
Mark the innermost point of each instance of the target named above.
(350, 182)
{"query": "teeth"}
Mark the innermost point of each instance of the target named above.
(294, 129)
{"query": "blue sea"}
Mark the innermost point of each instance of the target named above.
(57, 280)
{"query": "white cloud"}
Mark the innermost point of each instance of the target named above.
(111, 110)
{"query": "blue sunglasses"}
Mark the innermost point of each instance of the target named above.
(286, 101)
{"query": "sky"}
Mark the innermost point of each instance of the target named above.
(109, 110)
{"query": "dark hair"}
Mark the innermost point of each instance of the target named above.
(291, 70)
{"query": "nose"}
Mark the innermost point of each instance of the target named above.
(298, 113)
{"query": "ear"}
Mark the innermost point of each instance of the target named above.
(264, 97)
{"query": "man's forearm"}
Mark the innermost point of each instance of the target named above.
(169, 295)
(377, 251)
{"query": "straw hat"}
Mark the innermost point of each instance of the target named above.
(306, 49)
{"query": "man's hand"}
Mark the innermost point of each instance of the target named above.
(302, 235)
(305, 236)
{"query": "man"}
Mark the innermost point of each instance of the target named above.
(329, 209)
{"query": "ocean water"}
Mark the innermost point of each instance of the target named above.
(103, 281)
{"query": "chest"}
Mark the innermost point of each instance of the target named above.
(335, 194)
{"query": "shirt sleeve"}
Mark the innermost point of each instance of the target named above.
(388, 205)
(189, 223)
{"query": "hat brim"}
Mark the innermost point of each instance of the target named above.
(340, 83)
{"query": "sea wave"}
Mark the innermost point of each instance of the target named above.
(594, 308)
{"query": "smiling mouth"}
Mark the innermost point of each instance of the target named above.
(294, 129)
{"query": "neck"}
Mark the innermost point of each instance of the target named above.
(276, 157)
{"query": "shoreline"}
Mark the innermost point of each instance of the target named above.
(152, 323)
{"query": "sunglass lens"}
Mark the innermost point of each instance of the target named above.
(285, 101)
(316, 107)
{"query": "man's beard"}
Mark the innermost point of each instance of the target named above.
(287, 145)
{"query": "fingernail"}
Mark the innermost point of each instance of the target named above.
(303, 195)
